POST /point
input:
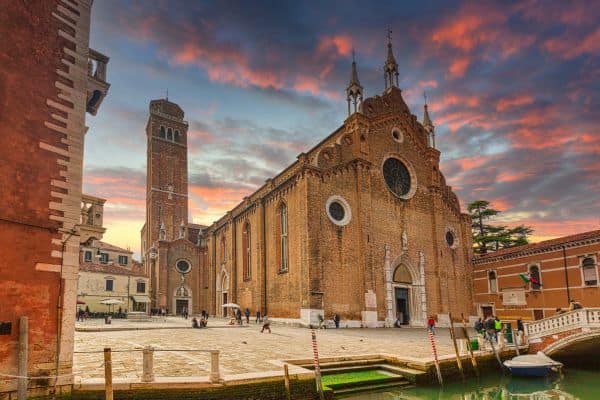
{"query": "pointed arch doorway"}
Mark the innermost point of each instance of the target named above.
(222, 293)
(402, 282)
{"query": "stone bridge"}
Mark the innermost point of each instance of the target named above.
(570, 337)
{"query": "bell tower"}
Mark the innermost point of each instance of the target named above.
(166, 172)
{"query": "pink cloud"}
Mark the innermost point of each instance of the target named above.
(520, 100)
(341, 44)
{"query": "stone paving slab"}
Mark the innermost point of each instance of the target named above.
(243, 350)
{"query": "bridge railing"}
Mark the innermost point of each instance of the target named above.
(582, 318)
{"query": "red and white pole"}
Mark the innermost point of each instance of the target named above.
(316, 363)
(435, 358)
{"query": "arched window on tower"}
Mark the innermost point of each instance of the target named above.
(283, 237)
(169, 134)
(246, 249)
(177, 136)
(163, 133)
(492, 282)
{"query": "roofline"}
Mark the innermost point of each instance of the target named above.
(545, 246)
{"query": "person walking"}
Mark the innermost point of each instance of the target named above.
(490, 328)
(478, 326)
(431, 324)
(258, 319)
(336, 320)
(497, 326)
(266, 324)
(238, 316)
(247, 314)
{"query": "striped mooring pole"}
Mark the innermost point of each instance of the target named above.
(435, 357)
(316, 362)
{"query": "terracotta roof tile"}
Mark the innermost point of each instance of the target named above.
(136, 270)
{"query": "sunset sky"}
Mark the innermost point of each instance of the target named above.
(513, 88)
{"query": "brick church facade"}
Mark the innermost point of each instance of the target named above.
(362, 225)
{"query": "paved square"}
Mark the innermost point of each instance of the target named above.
(243, 349)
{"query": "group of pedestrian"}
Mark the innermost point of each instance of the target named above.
(82, 315)
(489, 327)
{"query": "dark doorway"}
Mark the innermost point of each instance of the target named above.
(538, 314)
(402, 309)
(180, 305)
(487, 311)
(224, 302)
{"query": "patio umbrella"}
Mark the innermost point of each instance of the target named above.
(80, 301)
(110, 302)
(230, 305)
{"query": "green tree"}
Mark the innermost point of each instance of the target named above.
(488, 237)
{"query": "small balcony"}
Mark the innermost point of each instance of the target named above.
(97, 85)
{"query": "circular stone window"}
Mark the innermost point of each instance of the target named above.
(183, 266)
(397, 178)
(397, 135)
(338, 210)
(451, 240)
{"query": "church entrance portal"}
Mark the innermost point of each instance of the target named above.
(180, 305)
(402, 305)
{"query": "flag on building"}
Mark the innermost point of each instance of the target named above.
(527, 278)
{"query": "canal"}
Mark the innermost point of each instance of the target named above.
(575, 384)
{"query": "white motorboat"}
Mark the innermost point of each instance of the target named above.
(532, 365)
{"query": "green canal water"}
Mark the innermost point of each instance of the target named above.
(575, 384)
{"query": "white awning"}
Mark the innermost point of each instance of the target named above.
(141, 299)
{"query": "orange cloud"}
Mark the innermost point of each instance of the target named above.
(521, 100)
(512, 177)
(570, 46)
(342, 44)
(459, 67)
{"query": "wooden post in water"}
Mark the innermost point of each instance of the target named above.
(286, 378)
(435, 358)
(453, 336)
(23, 354)
(317, 367)
(108, 387)
(473, 359)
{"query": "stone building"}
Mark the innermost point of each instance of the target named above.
(100, 281)
(49, 79)
(563, 269)
(363, 225)
(106, 271)
(171, 249)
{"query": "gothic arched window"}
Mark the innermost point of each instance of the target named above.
(283, 237)
(169, 134)
(246, 249)
(163, 133)
(223, 248)
(177, 136)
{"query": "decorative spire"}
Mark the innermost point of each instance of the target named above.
(390, 68)
(427, 124)
(354, 91)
